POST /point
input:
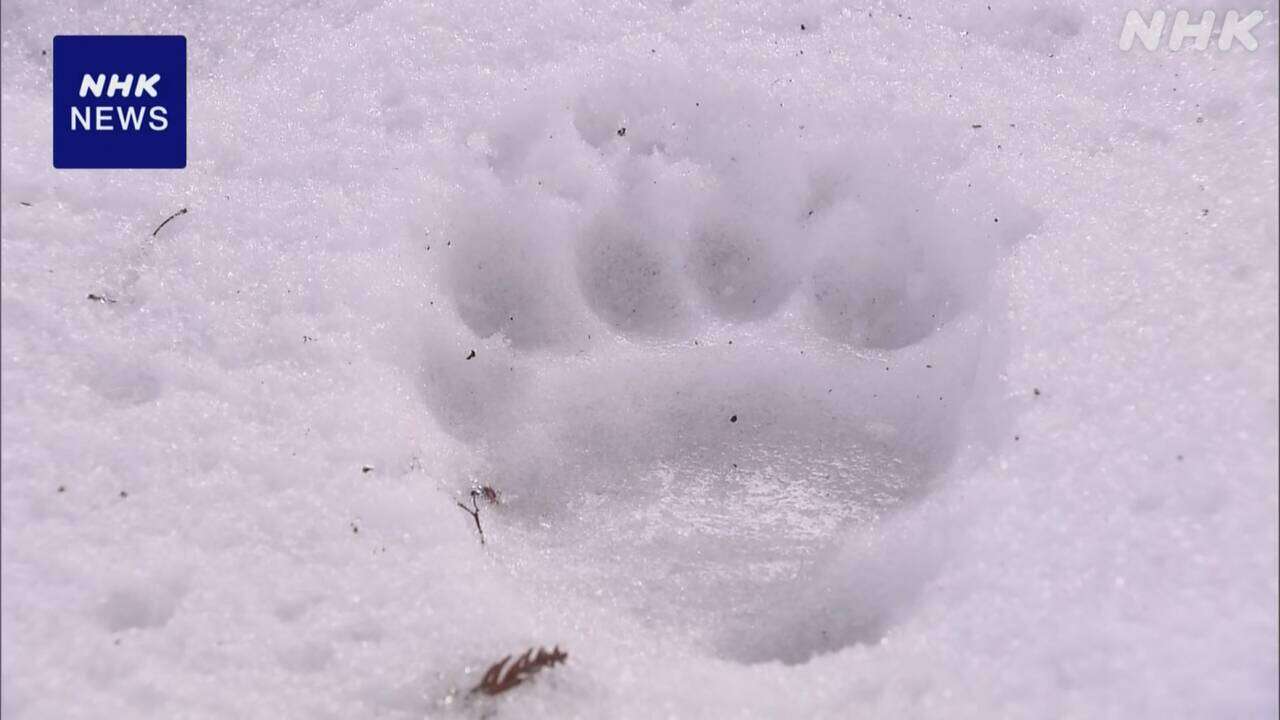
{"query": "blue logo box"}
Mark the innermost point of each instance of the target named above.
(120, 101)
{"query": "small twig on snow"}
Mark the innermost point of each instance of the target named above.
(474, 512)
(183, 211)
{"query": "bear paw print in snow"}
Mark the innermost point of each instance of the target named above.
(630, 291)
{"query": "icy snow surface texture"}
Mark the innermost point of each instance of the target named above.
(827, 361)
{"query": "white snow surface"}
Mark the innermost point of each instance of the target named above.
(898, 360)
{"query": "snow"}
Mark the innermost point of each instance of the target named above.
(828, 361)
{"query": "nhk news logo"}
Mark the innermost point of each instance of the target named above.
(119, 101)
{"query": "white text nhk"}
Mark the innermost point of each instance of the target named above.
(1234, 29)
(109, 117)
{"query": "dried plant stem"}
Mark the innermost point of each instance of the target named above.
(497, 681)
(474, 512)
(183, 211)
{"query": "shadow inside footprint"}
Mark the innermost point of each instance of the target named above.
(630, 280)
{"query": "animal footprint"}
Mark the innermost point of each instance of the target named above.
(714, 348)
